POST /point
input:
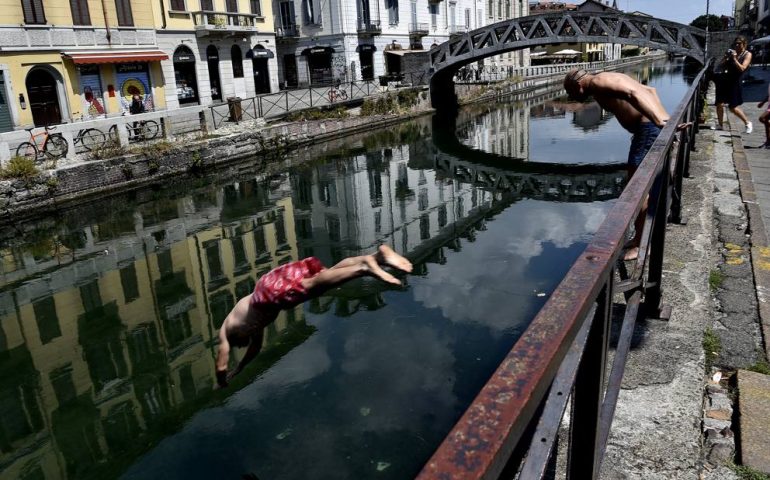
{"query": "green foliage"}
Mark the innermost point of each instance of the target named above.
(748, 473)
(715, 279)
(712, 346)
(107, 150)
(197, 162)
(714, 22)
(52, 183)
(389, 104)
(318, 114)
(761, 366)
(128, 171)
(20, 168)
(154, 151)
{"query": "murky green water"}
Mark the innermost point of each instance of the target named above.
(109, 312)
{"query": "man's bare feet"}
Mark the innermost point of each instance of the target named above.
(631, 254)
(386, 255)
(684, 126)
(373, 268)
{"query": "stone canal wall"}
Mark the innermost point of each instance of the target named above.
(160, 162)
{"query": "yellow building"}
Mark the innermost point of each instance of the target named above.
(216, 48)
(66, 61)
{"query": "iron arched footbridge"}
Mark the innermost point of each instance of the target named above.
(568, 27)
(554, 28)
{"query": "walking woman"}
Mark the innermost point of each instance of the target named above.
(729, 88)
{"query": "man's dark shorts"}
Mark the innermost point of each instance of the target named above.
(644, 137)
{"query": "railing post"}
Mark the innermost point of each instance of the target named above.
(202, 122)
(583, 458)
(653, 292)
(286, 95)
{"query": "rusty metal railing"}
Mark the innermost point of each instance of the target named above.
(512, 426)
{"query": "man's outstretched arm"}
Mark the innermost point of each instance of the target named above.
(222, 359)
(255, 345)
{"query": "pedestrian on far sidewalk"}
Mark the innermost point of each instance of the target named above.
(729, 89)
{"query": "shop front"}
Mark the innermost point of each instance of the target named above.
(319, 63)
(366, 57)
(259, 56)
(186, 76)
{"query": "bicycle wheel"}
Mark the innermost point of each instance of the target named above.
(343, 95)
(113, 133)
(27, 150)
(150, 129)
(92, 138)
(55, 146)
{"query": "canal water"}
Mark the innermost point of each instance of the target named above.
(109, 312)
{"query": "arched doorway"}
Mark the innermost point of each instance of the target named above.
(212, 57)
(43, 97)
(259, 56)
(184, 72)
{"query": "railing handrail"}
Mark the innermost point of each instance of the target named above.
(483, 440)
(419, 27)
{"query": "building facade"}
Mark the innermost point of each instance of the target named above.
(326, 42)
(65, 61)
(216, 49)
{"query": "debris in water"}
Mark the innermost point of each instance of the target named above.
(365, 411)
(284, 434)
(382, 466)
(717, 377)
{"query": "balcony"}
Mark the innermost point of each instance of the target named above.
(418, 29)
(225, 23)
(58, 37)
(287, 32)
(369, 27)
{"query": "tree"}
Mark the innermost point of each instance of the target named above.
(714, 22)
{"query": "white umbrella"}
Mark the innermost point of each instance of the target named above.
(567, 51)
(536, 54)
(761, 40)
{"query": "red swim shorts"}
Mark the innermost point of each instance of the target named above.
(282, 286)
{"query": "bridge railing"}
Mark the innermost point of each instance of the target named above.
(562, 358)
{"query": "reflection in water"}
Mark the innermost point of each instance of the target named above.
(109, 314)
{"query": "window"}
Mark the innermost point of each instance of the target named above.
(207, 5)
(232, 6)
(256, 7)
(392, 7)
(499, 10)
(178, 5)
(235, 53)
(33, 11)
(125, 18)
(507, 8)
(467, 18)
(433, 9)
(312, 10)
(80, 14)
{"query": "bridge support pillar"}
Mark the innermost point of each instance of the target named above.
(442, 94)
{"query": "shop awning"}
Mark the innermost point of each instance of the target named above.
(258, 52)
(318, 50)
(115, 56)
(366, 48)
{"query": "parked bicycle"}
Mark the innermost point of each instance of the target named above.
(337, 93)
(89, 138)
(142, 130)
(52, 146)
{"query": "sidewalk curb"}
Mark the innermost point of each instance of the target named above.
(760, 249)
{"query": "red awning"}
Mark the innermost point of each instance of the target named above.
(116, 56)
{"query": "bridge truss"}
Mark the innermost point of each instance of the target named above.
(568, 27)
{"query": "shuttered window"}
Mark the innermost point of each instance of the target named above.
(178, 5)
(125, 17)
(80, 14)
(256, 7)
(33, 11)
(232, 6)
(207, 5)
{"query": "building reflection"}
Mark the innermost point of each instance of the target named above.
(108, 328)
(107, 333)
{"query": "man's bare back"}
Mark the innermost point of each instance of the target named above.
(631, 102)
